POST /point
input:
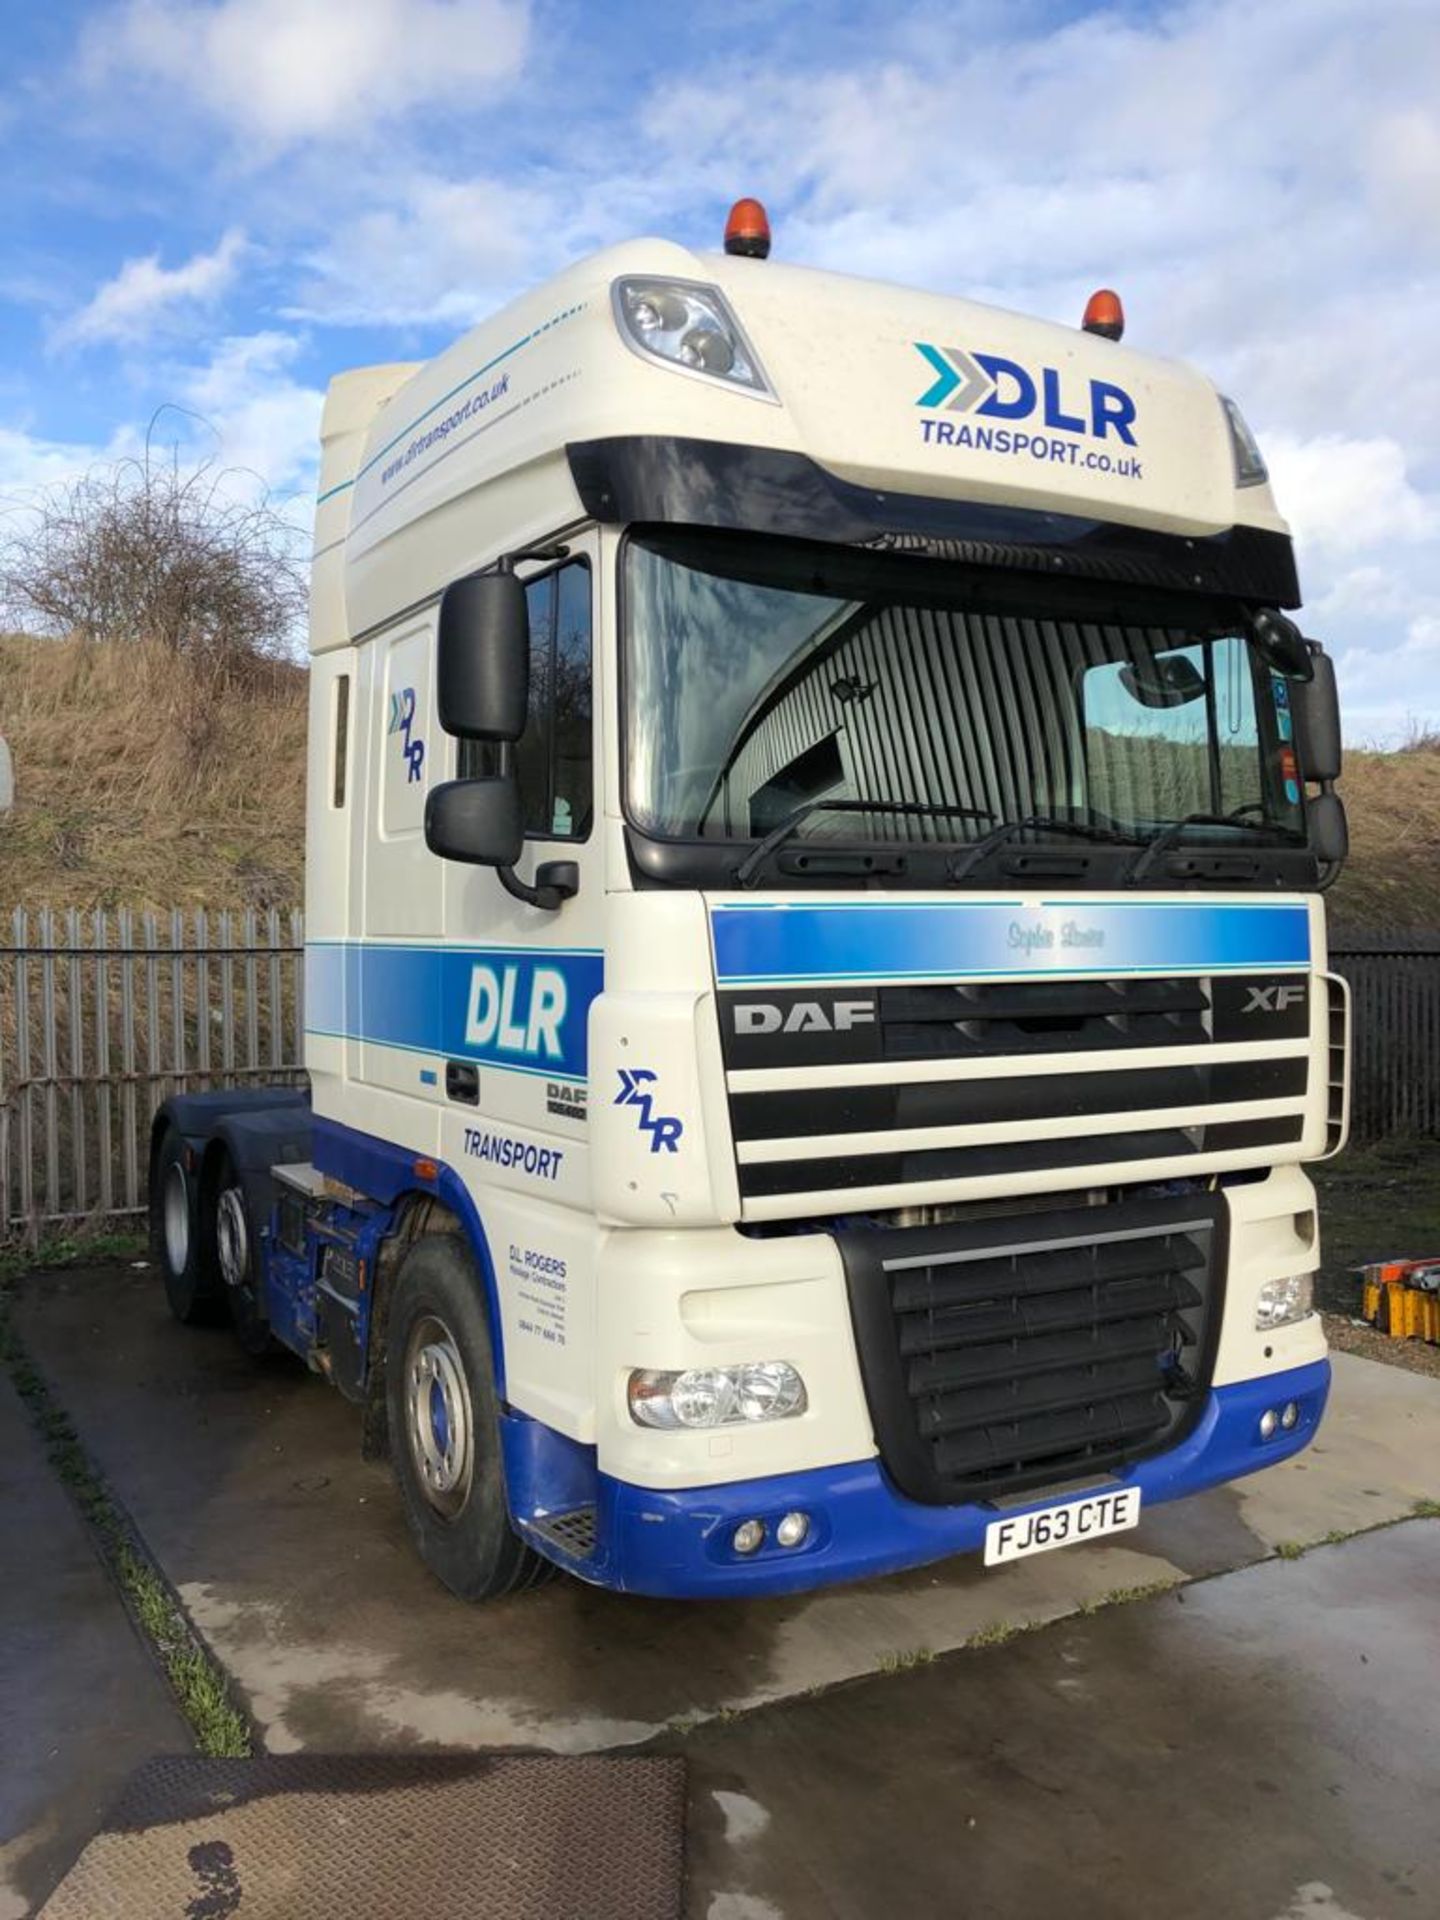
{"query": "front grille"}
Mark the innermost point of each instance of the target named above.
(858, 1093)
(1005, 1354)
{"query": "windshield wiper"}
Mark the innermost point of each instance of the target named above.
(1166, 838)
(758, 854)
(962, 868)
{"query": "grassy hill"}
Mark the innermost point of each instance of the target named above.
(1392, 879)
(146, 781)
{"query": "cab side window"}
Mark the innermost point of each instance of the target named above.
(554, 758)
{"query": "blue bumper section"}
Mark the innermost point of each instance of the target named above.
(677, 1545)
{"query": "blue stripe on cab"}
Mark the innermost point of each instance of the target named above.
(943, 940)
(518, 1007)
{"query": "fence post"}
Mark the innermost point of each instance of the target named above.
(50, 1059)
(76, 989)
(104, 1115)
(20, 925)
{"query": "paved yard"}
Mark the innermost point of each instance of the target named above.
(81, 1702)
(291, 1555)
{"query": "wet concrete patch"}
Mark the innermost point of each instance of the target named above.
(292, 1555)
(1261, 1746)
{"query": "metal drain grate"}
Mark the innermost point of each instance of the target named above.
(309, 1837)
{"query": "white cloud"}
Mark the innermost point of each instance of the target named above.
(30, 463)
(242, 412)
(285, 71)
(1261, 183)
(258, 419)
(143, 295)
(440, 253)
(1344, 496)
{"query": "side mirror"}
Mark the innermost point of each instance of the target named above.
(1316, 707)
(479, 821)
(482, 657)
(1280, 643)
(1329, 830)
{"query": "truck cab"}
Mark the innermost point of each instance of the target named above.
(816, 1000)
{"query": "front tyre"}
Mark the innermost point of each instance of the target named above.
(444, 1417)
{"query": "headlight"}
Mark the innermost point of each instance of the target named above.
(1281, 1301)
(716, 1396)
(1250, 469)
(690, 326)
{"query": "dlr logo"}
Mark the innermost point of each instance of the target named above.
(1001, 389)
(513, 1015)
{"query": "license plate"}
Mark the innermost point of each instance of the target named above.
(1062, 1525)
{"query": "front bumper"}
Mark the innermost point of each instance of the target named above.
(676, 1544)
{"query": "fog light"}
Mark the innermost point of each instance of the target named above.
(1279, 1302)
(742, 1395)
(1269, 1422)
(792, 1529)
(749, 1536)
(1289, 1415)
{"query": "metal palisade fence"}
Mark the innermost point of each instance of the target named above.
(102, 1015)
(1395, 1031)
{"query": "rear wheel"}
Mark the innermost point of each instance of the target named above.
(445, 1426)
(235, 1258)
(191, 1286)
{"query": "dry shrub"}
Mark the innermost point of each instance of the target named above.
(189, 558)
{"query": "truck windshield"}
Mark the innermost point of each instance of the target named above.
(765, 677)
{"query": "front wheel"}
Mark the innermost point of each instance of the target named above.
(445, 1426)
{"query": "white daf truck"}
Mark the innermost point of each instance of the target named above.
(816, 1002)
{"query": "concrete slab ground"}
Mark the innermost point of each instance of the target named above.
(1262, 1746)
(292, 1555)
(81, 1702)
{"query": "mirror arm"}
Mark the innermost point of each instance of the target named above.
(556, 882)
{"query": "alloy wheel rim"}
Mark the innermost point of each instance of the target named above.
(176, 1219)
(439, 1419)
(232, 1238)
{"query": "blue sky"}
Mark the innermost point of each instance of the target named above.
(212, 205)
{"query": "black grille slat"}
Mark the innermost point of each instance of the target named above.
(1017, 999)
(995, 1018)
(1049, 1270)
(1048, 1312)
(978, 1102)
(1002, 1353)
(990, 1038)
(1066, 1443)
(760, 1179)
(947, 1369)
(1137, 1374)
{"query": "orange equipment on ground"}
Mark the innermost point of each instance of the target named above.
(1402, 1298)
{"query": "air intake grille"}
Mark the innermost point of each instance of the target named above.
(1011, 1353)
(893, 1087)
